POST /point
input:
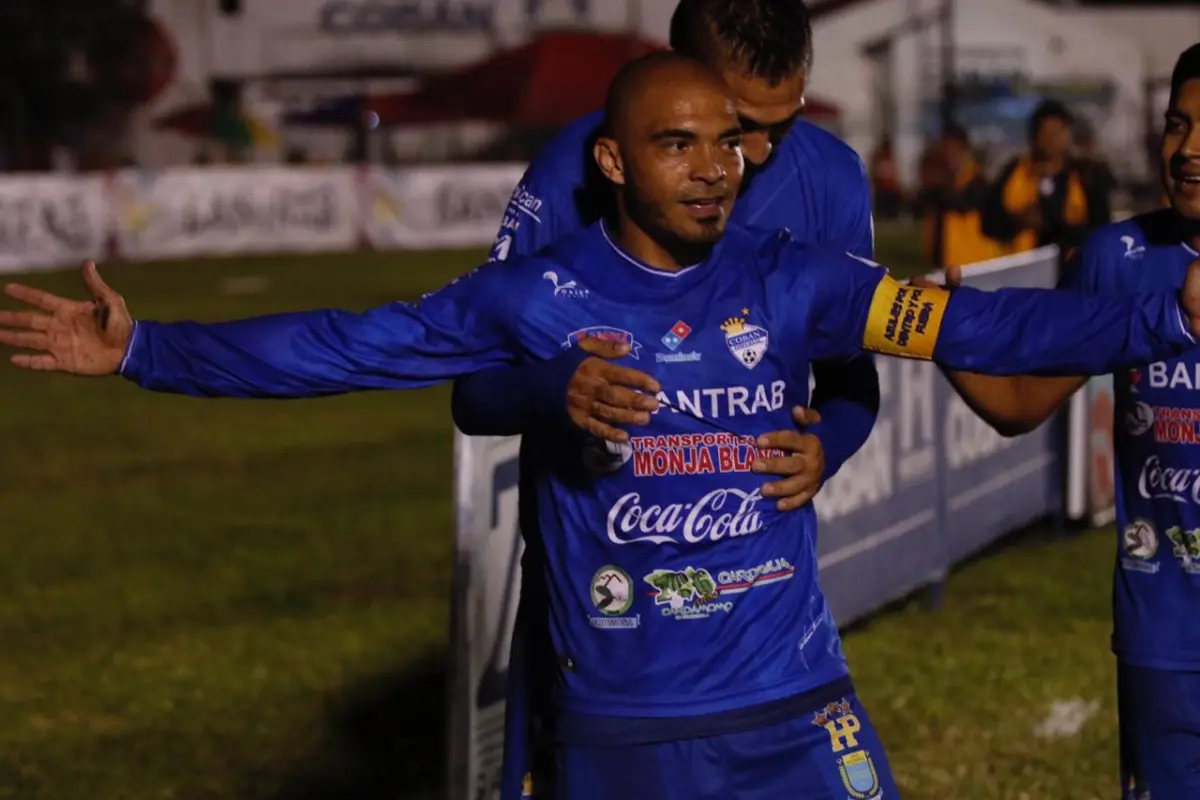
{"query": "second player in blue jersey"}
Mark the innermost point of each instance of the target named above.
(1156, 432)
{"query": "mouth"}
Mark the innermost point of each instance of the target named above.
(1188, 175)
(705, 207)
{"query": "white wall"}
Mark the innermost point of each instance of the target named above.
(273, 35)
(1161, 34)
(1052, 44)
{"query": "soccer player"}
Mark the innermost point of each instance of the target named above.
(1157, 438)
(696, 654)
(801, 178)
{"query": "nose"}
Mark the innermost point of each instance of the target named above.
(707, 166)
(1191, 145)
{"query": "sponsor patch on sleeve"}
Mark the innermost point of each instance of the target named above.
(904, 320)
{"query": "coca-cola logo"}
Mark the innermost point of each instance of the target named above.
(720, 514)
(1180, 484)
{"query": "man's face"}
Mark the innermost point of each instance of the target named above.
(766, 112)
(1181, 151)
(681, 161)
(1053, 140)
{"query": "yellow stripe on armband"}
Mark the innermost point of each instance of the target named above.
(904, 320)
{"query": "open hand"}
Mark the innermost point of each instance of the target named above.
(804, 465)
(602, 395)
(82, 337)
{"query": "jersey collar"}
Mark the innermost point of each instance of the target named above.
(641, 279)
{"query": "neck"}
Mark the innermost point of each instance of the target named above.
(1191, 233)
(661, 252)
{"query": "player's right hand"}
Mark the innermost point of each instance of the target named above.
(951, 279)
(82, 337)
(602, 395)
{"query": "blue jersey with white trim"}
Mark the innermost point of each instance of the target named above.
(1156, 436)
(674, 590)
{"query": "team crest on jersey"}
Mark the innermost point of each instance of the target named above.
(747, 342)
(608, 334)
(858, 775)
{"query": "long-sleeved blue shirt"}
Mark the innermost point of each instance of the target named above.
(662, 550)
(1156, 438)
(814, 185)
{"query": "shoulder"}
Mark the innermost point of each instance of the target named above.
(838, 162)
(1119, 241)
(1114, 249)
(567, 154)
(521, 273)
(779, 255)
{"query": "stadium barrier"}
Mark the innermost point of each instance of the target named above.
(932, 485)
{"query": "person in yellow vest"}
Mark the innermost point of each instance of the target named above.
(955, 195)
(1041, 197)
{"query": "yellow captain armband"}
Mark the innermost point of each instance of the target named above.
(904, 320)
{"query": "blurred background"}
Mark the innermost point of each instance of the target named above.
(220, 600)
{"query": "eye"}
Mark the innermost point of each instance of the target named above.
(675, 146)
(734, 144)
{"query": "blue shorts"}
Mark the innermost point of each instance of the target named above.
(1160, 733)
(833, 754)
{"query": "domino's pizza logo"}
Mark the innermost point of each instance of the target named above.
(674, 337)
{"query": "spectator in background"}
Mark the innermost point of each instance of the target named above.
(885, 181)
(1041, 198)
(953, 201)
(1099, 182)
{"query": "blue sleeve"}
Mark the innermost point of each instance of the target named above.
(1004, 332)
(508, 401)
(456, 330)
(1083, 269)
(505, 401)
(850, 206)
(847, 392)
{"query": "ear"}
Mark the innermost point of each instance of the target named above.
(608, 158)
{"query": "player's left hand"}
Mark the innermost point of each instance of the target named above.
(804, 465)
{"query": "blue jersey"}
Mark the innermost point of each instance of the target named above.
(814, 185)
(1156, 435)
(674, 591)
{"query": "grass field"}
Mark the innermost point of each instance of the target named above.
(214, 599)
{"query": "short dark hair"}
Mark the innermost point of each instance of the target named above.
(1186, 68)
(1047, 110)
(770, 39)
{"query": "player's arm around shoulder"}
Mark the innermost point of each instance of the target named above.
(1019, 404)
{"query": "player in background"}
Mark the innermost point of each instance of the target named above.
(696, 653)
(799, 177)
(1156, 587)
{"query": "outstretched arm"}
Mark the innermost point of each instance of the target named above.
(456, 330)
(1012, 404)
(1003, 332)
